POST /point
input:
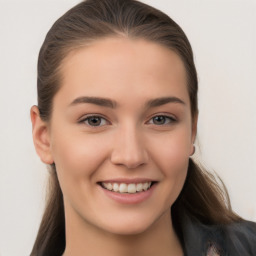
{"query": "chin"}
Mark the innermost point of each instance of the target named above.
(131, 230)
(127, 231)
(130, 226)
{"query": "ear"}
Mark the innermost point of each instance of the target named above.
(41, 136)
(193, 134)
(194, 127)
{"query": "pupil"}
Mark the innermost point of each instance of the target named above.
(159, 120)
(94, 121)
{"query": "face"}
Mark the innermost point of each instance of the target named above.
(121, 134)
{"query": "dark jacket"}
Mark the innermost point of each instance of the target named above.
(237, 239)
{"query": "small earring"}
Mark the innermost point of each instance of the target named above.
(194, 150)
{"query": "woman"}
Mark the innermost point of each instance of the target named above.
(116, 120)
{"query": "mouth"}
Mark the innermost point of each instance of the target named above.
(127, 188)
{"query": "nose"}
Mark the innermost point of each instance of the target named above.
(129, 149)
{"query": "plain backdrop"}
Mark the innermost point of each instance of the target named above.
(223, 37)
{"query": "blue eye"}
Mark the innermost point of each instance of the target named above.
(94, 121)
(161, 120)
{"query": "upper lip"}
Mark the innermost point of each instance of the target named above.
(125, 180)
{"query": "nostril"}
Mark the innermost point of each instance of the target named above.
(128, 149)
(130, 162)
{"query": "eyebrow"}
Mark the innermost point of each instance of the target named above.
(95, 100)
(113, 104)
(163, 100)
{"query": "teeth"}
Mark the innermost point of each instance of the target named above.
(145, 186)
(139, 187)
(109, 186)
(127, 188)
(131, 188)
(116, 187)
(123, 188)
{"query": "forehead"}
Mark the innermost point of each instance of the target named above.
(110, 66)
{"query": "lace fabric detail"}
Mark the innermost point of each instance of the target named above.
(213, 251)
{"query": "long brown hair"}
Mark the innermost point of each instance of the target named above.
(202, 197)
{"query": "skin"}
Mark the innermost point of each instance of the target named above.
(126, 143)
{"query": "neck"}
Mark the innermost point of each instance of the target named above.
(159, 239)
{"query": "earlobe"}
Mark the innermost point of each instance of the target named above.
(41, 136)
(194, 132)
(193, 150)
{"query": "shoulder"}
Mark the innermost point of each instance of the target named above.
(240, 238)
(236, 239)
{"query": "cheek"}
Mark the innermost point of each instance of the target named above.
(174, 168)
(77, 157)
(172, 150)
(171, 155)
(175, 162)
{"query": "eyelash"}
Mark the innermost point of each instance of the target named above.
(166, 117)
(87, 118)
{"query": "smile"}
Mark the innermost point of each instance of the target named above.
(128, 191)
(130, 188)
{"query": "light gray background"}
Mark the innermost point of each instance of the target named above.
(223, 36)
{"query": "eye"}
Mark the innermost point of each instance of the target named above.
(94, 121)
(161, 120)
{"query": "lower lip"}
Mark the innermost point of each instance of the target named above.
(126, 198)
